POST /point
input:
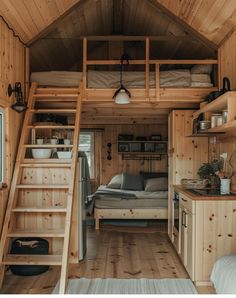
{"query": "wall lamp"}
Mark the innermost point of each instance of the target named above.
(122, 95)
(20, 105)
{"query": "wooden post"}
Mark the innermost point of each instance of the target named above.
(84, 66)
(157, 77)
(219, 69)
(27, 72)
(147, 67)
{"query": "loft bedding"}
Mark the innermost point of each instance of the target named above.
(131, 79)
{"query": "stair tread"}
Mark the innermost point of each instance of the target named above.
(55, 95)
(14, 259)
(53, 111)
(40, 209)
(42, 186)
(37, 233)
(48, 146)
(47, 160)
(45, 165)
(52, 126)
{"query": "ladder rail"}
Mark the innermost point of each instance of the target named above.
(65, 255)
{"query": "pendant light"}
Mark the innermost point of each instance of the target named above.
(122, 95)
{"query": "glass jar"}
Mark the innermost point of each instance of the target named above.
(219, 120)
(214, 118)
(225, 116)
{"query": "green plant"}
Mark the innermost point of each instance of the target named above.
(207, 170)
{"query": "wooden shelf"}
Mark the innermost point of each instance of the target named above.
(33, 260)
(216, 105)
(156, 142)
(142, 153)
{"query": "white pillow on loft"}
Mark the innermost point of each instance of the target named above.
(202, 68)
(115, 182)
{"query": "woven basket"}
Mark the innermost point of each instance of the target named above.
(194, 183)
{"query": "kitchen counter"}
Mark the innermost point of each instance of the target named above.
(198, 197)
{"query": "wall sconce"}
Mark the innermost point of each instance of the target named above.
(122, 95)
(19, 105)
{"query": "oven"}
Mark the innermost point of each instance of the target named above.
(176, 211)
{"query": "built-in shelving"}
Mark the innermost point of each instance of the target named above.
(227, 102)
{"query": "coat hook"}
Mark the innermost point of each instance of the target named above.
(109, 151)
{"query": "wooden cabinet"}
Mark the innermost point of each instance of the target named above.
(207, 232)
(185, 156)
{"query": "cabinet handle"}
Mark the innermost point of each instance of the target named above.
(183, 218)
(184, 200)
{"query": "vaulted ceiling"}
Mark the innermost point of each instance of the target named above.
(194, 28)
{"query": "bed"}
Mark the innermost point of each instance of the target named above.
(223, 275)
(132, 79)
(151, 202)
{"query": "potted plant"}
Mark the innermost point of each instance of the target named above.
(209, 171)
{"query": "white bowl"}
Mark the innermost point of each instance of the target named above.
(41, 153)
(64, 154)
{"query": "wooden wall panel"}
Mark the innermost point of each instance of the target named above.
(220, 145)
(12, 69)
(109, 168)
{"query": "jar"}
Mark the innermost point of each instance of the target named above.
(219, 120)
(214, 118)
(225, 116)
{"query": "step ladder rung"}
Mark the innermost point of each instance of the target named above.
(51, 161)
(47, 146)
(40, 209)
(41, 186)
(51, 126)
(37, 233)
(45, 165)
(43, 90)
(55, 111)
(13, 259)
(53, 95)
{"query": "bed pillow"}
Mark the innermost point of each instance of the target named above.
(202, 68)
(132, 182)
(115, 182)
(156, 184)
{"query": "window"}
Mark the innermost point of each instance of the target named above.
(1, 145)
(86, 144)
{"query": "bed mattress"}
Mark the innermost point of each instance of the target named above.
(119, 203)
(111, 79)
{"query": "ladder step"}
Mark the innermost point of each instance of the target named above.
(68, 90)
(40, 209)
(50, 161)
(54, 260)
(52, 126)
(53, 95)
(63, 111)
(45, 165)
(36, 233)
(47, 146)
(41, 186)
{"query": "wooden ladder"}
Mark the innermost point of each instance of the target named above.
(41, 100)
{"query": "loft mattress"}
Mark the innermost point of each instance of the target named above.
(131, 79)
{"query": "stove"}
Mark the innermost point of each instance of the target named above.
(208, 192)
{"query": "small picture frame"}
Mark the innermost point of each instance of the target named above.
(161, 148)
(135, 147)
(155, 137)
(123, 147)
(149, 147)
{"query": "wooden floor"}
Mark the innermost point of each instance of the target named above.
(114, 252)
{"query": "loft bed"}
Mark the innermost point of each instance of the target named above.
(190, 84)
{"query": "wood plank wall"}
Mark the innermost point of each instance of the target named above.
(12, 65)
(12, 69)
(105, 169)
(228, 68)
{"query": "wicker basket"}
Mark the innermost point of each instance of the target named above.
(194, 183)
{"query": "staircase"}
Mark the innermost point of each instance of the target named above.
(41, 193)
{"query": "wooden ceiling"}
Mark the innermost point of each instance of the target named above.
(119, 17)
(53, 27)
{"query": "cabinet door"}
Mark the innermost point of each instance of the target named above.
(190, 245)
(183, 235)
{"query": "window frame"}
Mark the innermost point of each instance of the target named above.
(92, 148)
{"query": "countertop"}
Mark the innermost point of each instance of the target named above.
(198, 197)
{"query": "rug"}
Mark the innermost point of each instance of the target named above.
(129, 286)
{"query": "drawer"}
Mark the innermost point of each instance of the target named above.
(187, 203)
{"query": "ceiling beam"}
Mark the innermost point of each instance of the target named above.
(185, 26)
